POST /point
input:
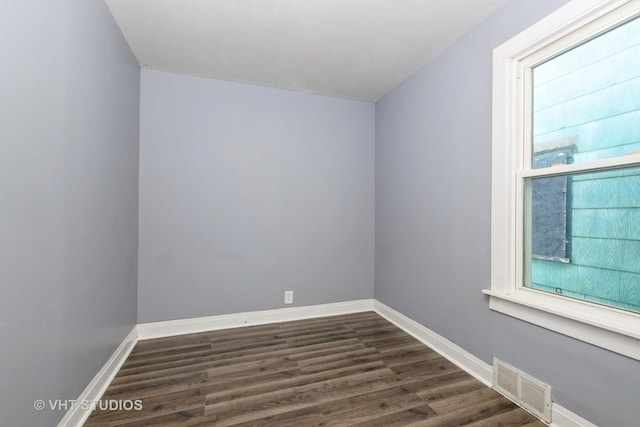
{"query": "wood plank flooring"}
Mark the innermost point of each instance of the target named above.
(351, 370)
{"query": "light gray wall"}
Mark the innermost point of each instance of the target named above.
(433, 207)
(69, 96)
(246, 192)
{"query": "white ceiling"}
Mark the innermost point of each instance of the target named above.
(357, 49)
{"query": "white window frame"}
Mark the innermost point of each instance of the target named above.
(607, 327)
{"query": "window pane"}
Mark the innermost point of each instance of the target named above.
(587, 100)
(549, 211)
(602, 228)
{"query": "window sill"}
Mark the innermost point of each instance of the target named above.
(612, 329)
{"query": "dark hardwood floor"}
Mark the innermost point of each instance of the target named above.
(356, 370)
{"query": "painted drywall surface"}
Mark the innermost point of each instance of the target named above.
(69, 91)
(433, 207)
(598, 385)
(246, 192)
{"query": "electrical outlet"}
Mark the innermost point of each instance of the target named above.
(288, 297)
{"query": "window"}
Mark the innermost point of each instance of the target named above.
(550, 209)
(565, 233)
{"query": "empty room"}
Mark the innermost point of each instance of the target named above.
(320, 213)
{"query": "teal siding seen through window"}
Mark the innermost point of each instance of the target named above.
(587, 101)
(590, 97)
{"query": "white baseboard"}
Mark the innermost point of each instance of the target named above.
(561, 417)
(466, 361)
(78, 414)
(226, 321)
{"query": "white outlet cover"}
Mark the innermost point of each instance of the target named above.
(288, 297)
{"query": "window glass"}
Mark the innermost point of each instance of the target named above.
(582, 231)
(550, 200)
(588, 98)
(603, 210)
